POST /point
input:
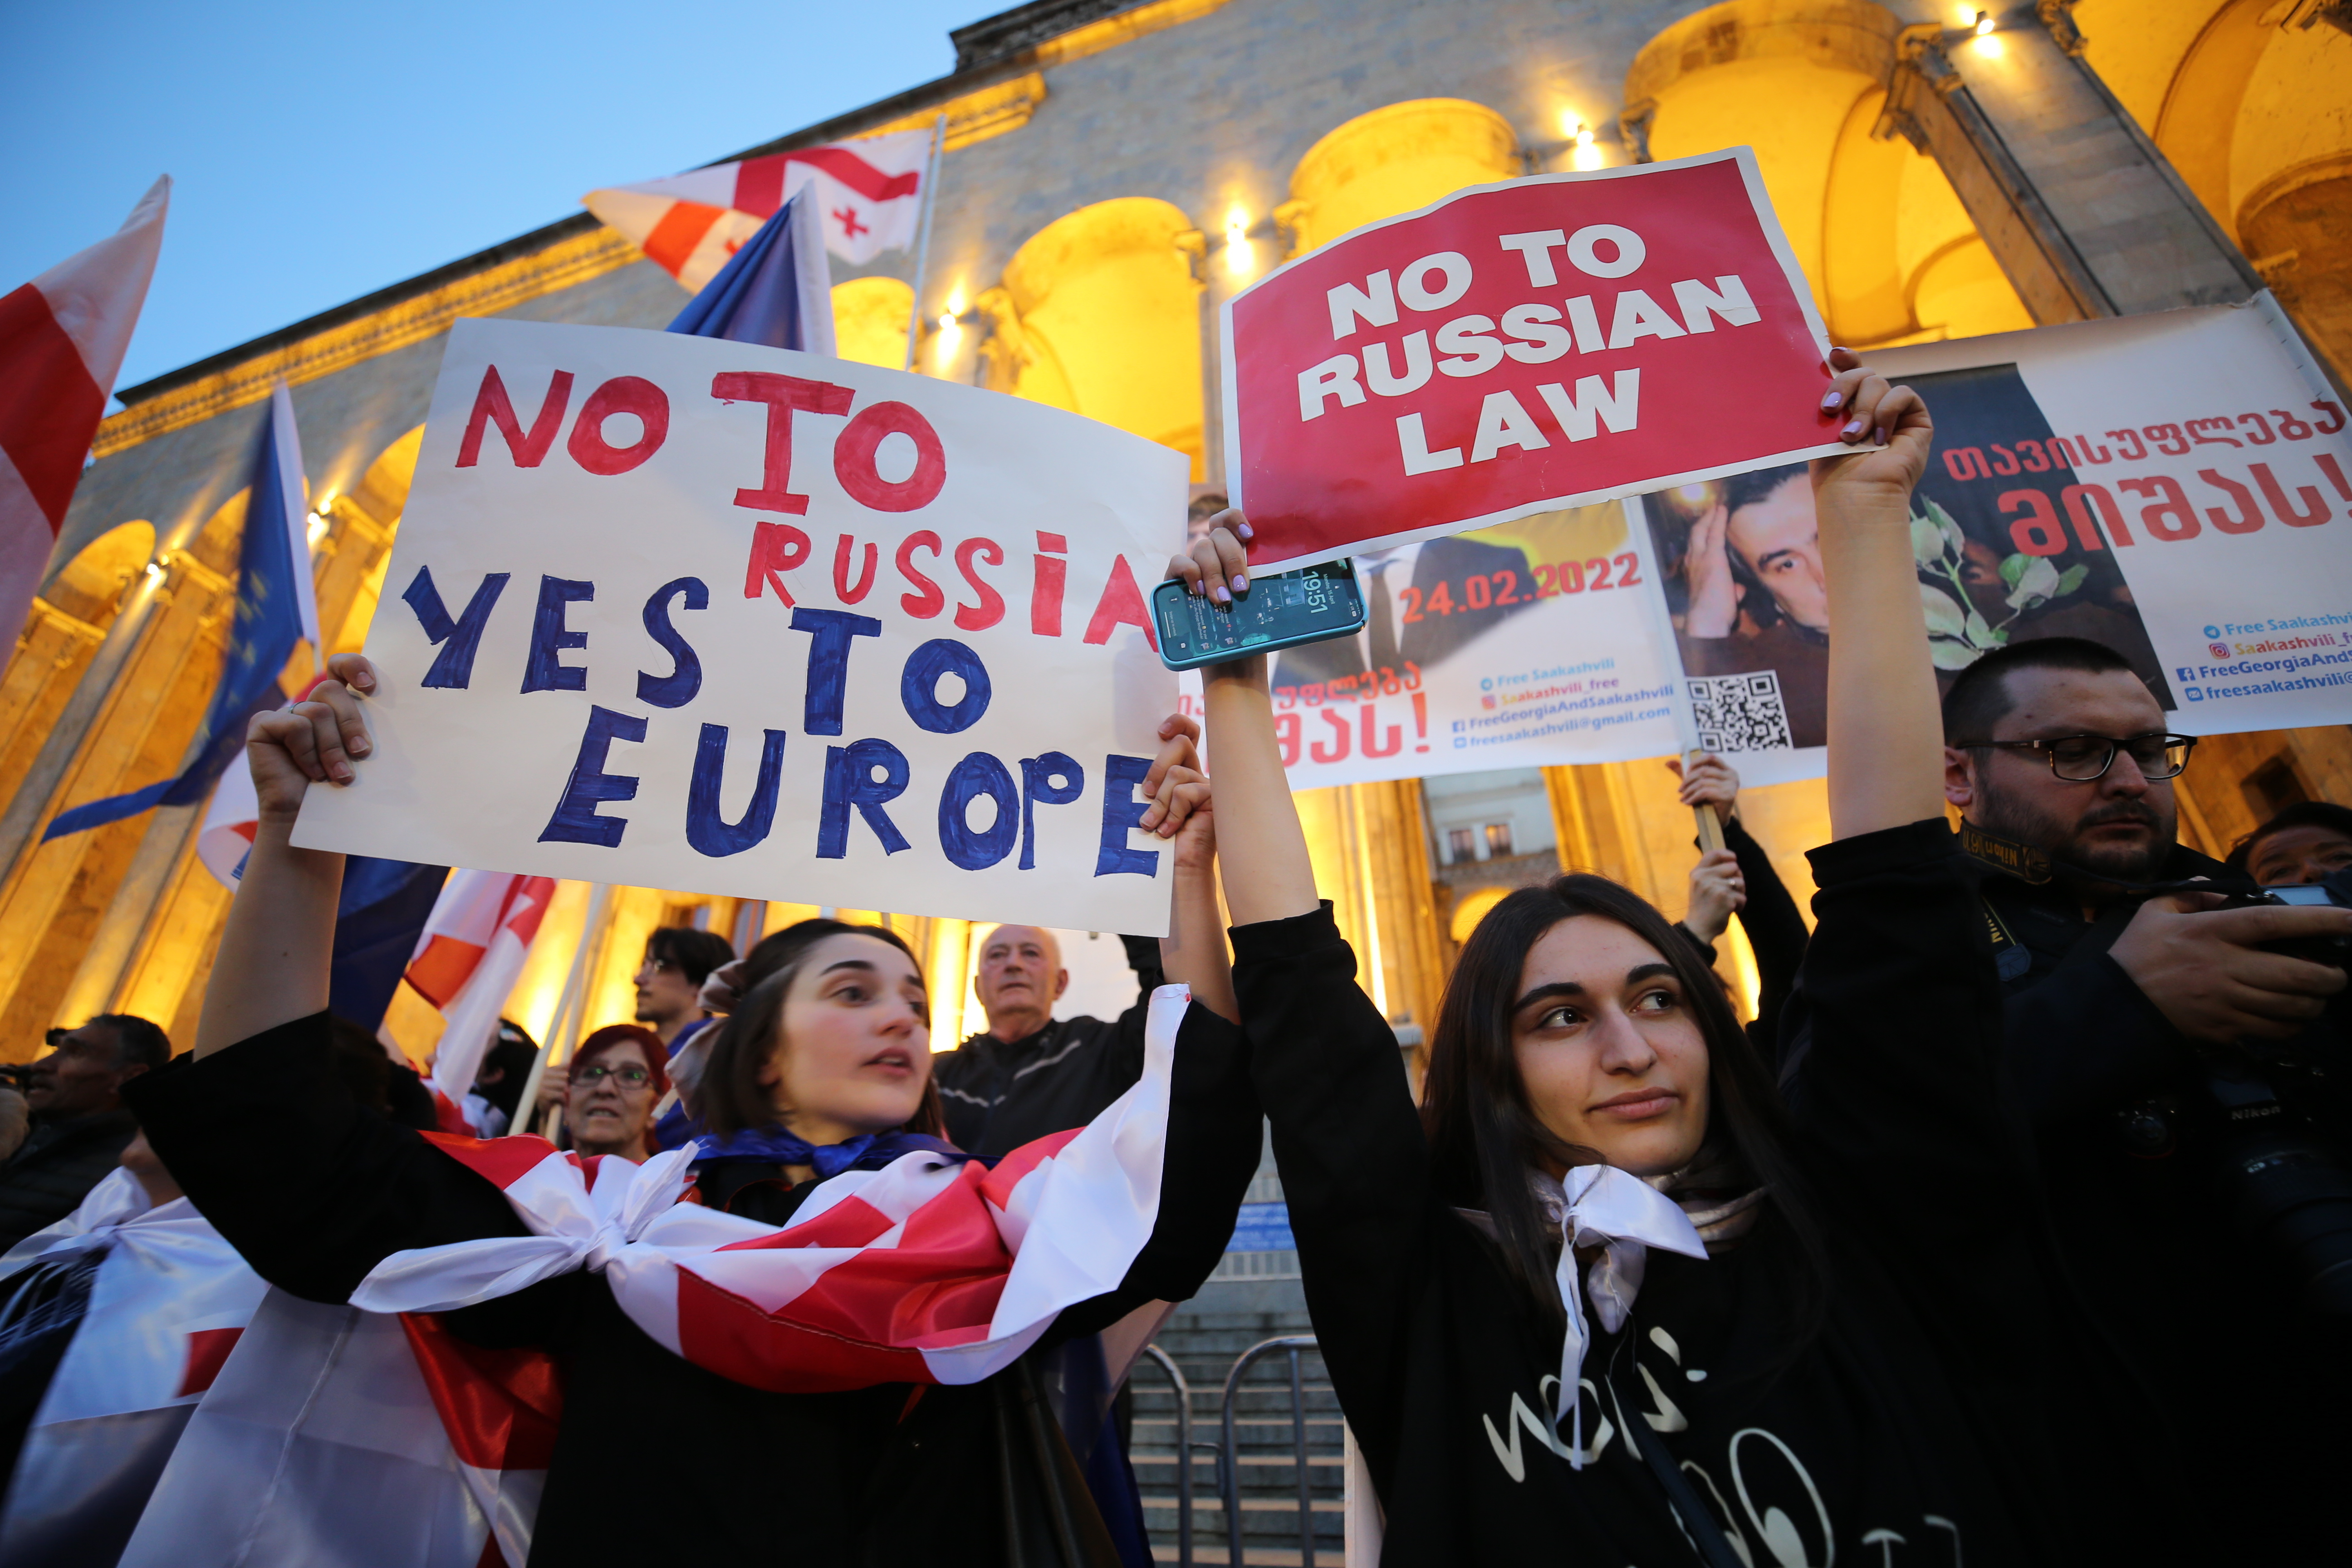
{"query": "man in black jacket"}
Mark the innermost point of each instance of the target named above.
(1030, 1074)
(80, 1127)
(2120, 1007)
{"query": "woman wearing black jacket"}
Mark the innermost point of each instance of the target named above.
(652, 1454)
(1768, 1341)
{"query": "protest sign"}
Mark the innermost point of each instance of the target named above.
(1517, 348)
(1527, 644)
(678, 612)
(2177, 486)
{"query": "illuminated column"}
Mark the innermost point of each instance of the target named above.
(2087, 217)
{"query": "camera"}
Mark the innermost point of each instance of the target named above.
(2273, 1115)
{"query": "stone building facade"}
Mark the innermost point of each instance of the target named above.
(1113, 171)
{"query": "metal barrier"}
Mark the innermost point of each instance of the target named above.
(1229, 1488)
(1184, 1447)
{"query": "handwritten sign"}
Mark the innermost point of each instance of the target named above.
(1518, 348)
(676, 612)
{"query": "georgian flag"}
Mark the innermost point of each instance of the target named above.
(468, 959)
(62, 339)
(348, 1435)
(869, 200)
(166, 1307)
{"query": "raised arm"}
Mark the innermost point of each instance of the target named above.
(1347, 1139)
(1259, 829)
(1193, 951)
(1885, 738)
(280, 942)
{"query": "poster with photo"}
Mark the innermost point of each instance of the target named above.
(2081, 486)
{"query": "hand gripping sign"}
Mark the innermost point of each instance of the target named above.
(1541, 343)
(678, 612)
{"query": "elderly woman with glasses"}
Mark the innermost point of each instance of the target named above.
(616, 1078)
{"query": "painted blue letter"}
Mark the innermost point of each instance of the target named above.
(454, 664)
(829, 666)
(976, 849)
(1122, 812)
(919, 686)
(1054, 778)
(679, 688)
(545, 670)
(706, 827)
(575, 820)
(849, 780)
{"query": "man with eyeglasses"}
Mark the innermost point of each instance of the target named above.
(678, 959)
(2119, 1001)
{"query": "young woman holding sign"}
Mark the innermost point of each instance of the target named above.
(1604, 1298)
(823, 1363)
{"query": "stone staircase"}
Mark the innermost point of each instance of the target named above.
(1256, 1297)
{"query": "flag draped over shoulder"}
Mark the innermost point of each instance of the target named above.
(346, 1434)
(869, 196)
(275, 612)
(167, 1304)
(62, 338)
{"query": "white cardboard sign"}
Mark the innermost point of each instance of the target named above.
(677, 612)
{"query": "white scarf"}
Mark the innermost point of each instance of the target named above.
(1599, 1206)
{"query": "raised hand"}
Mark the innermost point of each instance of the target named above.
(1176, 783)
(1708, 781)
(1714, 607)
(314, 741)
(1717, 892)
(1217, 564)
(1891, 417)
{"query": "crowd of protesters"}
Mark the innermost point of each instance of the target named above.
(2015, 1227)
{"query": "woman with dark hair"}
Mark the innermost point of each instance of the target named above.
(892, 1418)
(613, 1083)
(1604, 1299)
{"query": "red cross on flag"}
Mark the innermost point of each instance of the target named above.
(869, 193)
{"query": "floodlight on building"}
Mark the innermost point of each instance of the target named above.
(951, 332)
(155, 571)
(318, 521)
(1983, 24)
(1587, 152)
(1241, 256)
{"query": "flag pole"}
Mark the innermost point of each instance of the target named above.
(923, 243)
(571, 1007)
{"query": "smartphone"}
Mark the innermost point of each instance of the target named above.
(1311, 604)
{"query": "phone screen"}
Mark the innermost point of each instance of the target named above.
(1280, 611)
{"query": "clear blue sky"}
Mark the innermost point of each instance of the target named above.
(323, 150)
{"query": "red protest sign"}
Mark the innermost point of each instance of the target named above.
(1543, 342)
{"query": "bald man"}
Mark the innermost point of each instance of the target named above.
(1031, 1073)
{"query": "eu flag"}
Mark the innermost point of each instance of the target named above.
(777, 290)
(270, 620)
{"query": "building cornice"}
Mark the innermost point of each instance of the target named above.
(997, 88)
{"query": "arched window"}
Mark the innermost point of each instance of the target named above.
(1891, 253)
(1100, 313)
(1394, 159)
(2249, 100)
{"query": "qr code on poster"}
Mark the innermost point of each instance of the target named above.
(1740, 712)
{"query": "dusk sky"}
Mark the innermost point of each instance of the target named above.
(323, 151)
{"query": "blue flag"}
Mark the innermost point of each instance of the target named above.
(382, 913)
(776, 290)
(270, 603)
